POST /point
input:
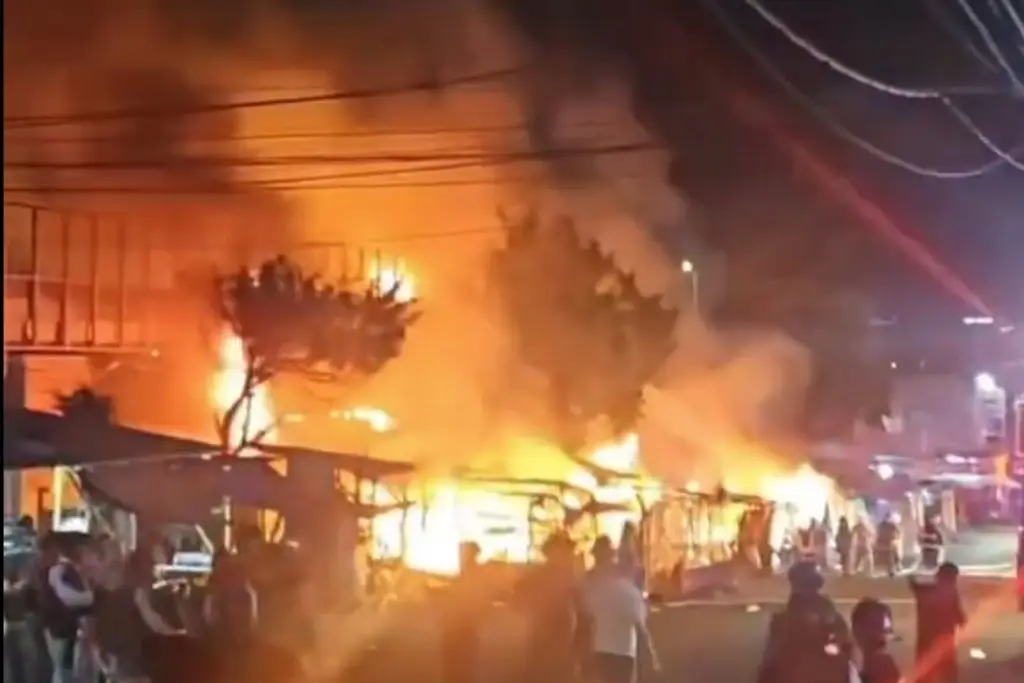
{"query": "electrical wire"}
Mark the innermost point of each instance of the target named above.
(910, 93)
(810, 48)
(689, 48)
(1018, 23)
(332, 159)
(992, 46)
(304, 182)
(26, 122)
(826, 119)
(938, 12)
(371, 134)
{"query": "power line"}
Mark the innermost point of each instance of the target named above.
(825, 118)
(1018, 23)
(937, 10)
(339, 134)
(993, 47)
(810, 48)
(303, 182)
(26, 122)
(864, 79)
(690, 48)
(331, 159)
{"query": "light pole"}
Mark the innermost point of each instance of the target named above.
(690, 271)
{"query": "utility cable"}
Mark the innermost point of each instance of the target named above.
(26, 122)
(810, 48)
(302, 182)
(992, 46)
(1002, 155)
(1018, 23)
(937, 10)
(826, 119)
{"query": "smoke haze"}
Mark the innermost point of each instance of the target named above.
(208, 183)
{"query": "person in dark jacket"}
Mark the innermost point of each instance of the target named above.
(465, 606)
(808, 641)
(940, 616)
(65, 598)
(231, 607)
(549, 598)
(844, 545)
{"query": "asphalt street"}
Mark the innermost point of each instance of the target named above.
(722, 644)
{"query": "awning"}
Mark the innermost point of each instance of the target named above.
(190, 490)
(360, 465)
(34, 438)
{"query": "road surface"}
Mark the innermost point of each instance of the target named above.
(720, 640)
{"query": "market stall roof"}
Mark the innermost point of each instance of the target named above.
(360, 465)
(34, 438)
(188, 490)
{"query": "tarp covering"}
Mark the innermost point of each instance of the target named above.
(34, 438)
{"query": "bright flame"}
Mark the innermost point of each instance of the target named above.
(229, 387)
(374, 418)
(426, 535)
(806, 491)
(393, 275)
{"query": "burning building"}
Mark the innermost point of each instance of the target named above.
(220, 157)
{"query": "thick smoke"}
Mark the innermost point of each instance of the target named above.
(216, 181)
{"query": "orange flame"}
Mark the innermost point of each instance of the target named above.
(229, 388)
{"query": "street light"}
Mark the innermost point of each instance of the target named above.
(690, 270)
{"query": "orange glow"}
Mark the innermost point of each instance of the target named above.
(448, 512)
(228, 389)
(805, 490)
(388, 276)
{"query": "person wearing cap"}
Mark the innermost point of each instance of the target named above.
(617, 617)
(808, 641)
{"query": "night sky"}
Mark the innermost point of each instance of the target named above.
(974, 225)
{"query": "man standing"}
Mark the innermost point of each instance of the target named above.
(808, 641)
(65, 598)
(940, 616)
(617, 615)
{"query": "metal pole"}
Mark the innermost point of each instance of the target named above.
(63, 331)
(30, 331)
(94, 280)
(122, 281)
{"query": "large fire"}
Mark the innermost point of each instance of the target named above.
(256, 415)
(425, 532)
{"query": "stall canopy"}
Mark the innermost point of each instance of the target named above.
(34, 438)
(190, 490)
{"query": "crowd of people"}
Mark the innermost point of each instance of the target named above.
(84, 611)
(861, 548)
(810, 641)
(579, 622)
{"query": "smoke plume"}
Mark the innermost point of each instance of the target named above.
(235, 181)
